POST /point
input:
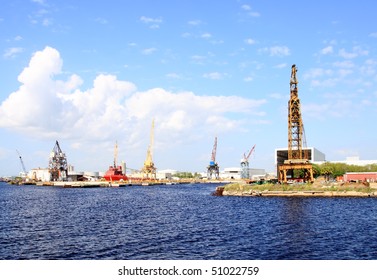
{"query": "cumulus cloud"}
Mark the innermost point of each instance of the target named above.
(47, 107)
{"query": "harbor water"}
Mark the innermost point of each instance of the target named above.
(181, 222)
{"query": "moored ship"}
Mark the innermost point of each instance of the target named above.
(116, 173)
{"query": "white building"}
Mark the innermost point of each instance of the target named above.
(235, 173)
(355, 160)
(39, 174)
(315, 156)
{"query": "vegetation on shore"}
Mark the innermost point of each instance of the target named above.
(319, 185)
(333, 170)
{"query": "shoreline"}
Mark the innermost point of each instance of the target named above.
(353, 190)
(299, 194)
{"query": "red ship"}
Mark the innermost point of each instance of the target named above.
(116, 173)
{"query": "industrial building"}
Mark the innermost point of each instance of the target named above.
(236, 173)
(314, 156)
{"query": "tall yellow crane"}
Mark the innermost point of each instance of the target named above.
(149, 170)
(297, 157)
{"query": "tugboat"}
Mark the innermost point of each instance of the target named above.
(116, 173)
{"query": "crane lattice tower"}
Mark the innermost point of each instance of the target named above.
(297, 159)
(58, 166)
(245, 170)
(213, 168)
(149, 170)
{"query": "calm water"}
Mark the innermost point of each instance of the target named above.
(181, 222)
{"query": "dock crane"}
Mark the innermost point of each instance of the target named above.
(22, 163)
(245, 164)
(213, 167)
(149, 170)
(58, 164)
(298, 159)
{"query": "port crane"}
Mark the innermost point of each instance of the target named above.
(58, 164)
(149, 170)
(22, 163)
(213, 167)
(298, 158)
(245, 164)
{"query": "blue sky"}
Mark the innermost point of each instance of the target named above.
(90, 73)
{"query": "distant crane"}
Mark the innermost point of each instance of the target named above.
(213, 167)
(115, 154)
(22, 163)
(245, 174)
(149, 170)
(58, 164)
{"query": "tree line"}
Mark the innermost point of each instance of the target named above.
(334, 170)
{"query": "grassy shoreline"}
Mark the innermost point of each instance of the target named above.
(320, 189)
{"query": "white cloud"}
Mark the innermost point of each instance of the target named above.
(198, 59)
(317, 72)
(327, 50)
(149, 51)
(254, 14)
(373, 35)
(12, 52)
(356, 51)
(249, 11)
(41, 2)
(276, 51)
(344, 64)
(173, 76)
(250, 41)
(153, 23)
(112, 108)
(101, 20)
(214, 75)
(246, 7)
(206, 35)
(195, 22)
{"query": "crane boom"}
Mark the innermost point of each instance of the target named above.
(22, 162)
(249, 154)
(213, 156)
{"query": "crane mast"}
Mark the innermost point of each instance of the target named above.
(245, 174)
(213, 167)
(149, 170)
(297, 159)
(115, 154)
